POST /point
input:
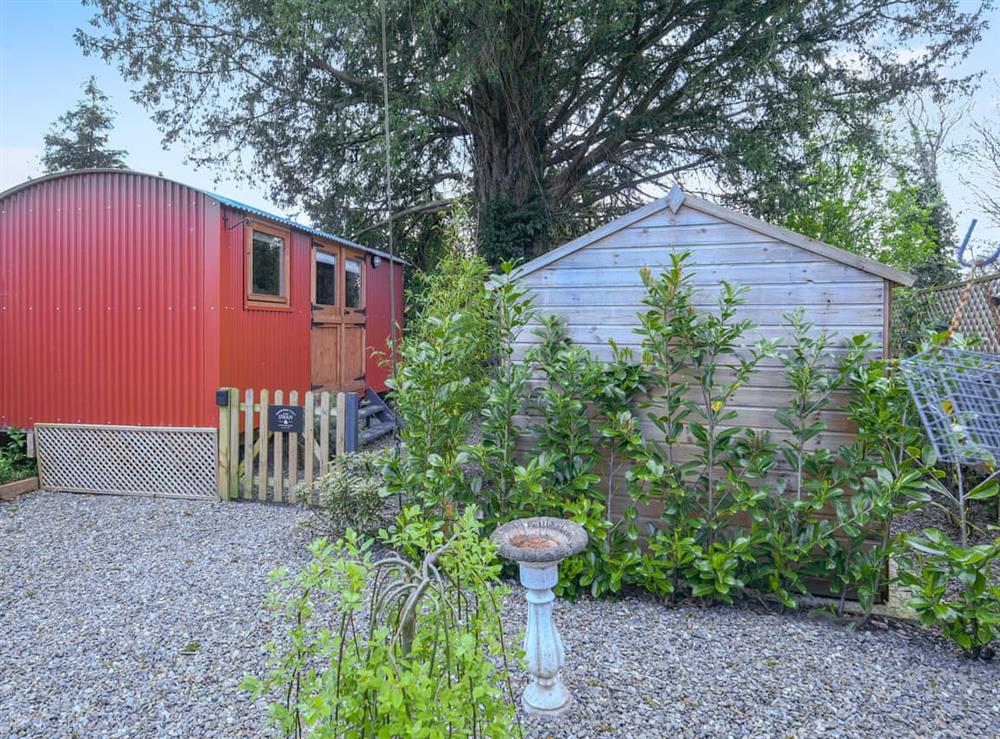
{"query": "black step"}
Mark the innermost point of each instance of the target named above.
(373, 399)
(376, 432)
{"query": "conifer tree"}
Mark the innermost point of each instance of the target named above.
(79, 137)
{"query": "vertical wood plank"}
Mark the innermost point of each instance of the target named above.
(324, 432)
(279, 454)
(341, 423)
(222, 463)
(886, 319)
(293, 454)
(264, 443)
(309, 456)
(248, 424)
(233, 483)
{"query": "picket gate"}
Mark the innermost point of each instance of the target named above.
(258, 462)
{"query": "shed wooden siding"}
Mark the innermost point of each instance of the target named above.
(599, 291)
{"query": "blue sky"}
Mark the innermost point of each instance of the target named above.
(42, 69)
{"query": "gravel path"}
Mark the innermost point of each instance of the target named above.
(100, 596)
(639, 669)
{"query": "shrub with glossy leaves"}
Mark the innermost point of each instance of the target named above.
(953, 589)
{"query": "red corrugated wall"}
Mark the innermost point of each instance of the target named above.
(377, 323)
(108, 300)
(122, 302)
(261, 347)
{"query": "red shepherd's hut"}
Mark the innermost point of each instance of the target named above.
(128, 299)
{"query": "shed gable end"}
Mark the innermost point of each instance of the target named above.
(718, 251)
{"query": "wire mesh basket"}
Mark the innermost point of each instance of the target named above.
(957, 394)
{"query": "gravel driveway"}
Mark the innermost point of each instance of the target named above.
(134, 616)
(101, 599)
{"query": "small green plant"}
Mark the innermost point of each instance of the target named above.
(389, 647)
(14, 461)
(953, 589)
(350, 495)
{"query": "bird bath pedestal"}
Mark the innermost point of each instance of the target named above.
(538, 545)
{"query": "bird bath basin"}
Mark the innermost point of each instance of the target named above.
(538, 545)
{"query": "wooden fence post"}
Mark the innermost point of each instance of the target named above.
(293, 454)
(351, 423)
(262, 452)
(324, 432)
(279, 438)
(347, 423)
(248, 424)
(338, 446)
(222, 463)
(309, 458)
(233, 483)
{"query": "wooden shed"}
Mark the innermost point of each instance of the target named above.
(127, 298)
(594, 283)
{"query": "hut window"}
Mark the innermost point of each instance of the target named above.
(353, 275)
(326, 278)
(267, 265)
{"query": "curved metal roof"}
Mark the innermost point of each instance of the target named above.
(221, 199)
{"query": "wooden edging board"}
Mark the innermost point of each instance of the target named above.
(11, 490)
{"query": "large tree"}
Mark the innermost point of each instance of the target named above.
(550, 114)
(79, 137)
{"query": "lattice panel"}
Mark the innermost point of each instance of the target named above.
(958, 396)
(981, 315)
(127, 460)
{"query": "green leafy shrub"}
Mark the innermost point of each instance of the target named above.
(578, 404)
(350, 495)
(456, 285)
(736, 510)
(502, 481)
(438, 387)
(732, 516)
(953, 589)
(385, 647)
(14, 461)
(698, 472)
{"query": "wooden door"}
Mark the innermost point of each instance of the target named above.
(325, 341)
(327, 313)
(352, 358)
(353, 340)
(338, 318)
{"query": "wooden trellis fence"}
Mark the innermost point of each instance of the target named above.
(260, 462)
(980, 316)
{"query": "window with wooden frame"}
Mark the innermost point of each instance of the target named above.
(267, 265)
(326, 292)
(354, 296)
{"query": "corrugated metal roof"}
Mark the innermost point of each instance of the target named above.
(222, 199)
(237, 205)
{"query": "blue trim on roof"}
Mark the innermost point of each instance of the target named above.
(237, 205)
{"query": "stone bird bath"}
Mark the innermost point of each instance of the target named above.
(538, 545)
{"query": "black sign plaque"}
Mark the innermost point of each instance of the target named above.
(287, 419)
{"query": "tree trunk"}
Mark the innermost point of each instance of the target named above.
(507, 111)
